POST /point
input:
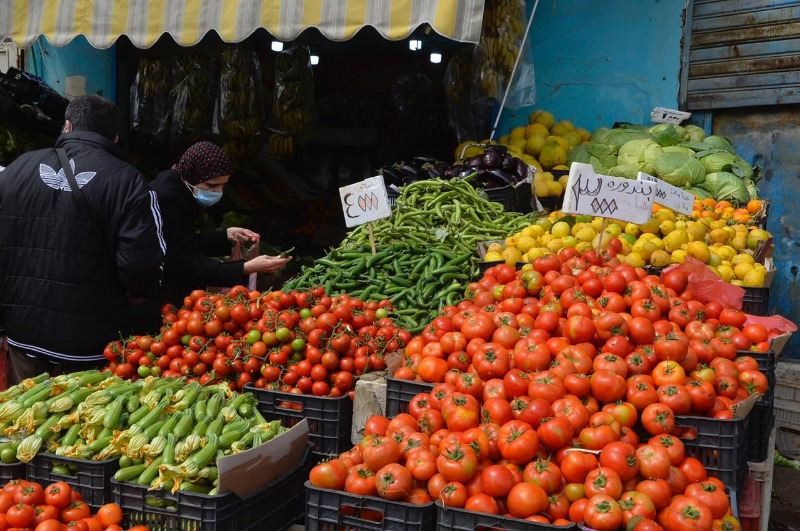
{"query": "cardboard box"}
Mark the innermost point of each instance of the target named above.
(779, 342)
(250, 471)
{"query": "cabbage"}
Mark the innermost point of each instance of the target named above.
(619, 137)
(600, 156)
(695, 133)
(725, 186)
(599, 132)
(724, 161)
(668, 134)
(752, 189)
(699, 192)
(579, 154)
(719, 142)
(642, 152)
(678, 149)
(628, 171)
(679, 169)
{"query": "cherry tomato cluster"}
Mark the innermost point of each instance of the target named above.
(440, 451)
(301, 341)
(27, 505)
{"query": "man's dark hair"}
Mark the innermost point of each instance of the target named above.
(94, 113)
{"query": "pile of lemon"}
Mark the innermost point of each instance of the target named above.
(728, 249)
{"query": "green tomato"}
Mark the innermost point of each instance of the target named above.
(8, 455)
(185, 338)
(143, 371)
(298, 344)
(283, 334)
(305, 313)
(253, 336)
(380, 313)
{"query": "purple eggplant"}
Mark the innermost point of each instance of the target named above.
(501, 177)
(491, 158)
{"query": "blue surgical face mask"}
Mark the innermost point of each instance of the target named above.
(205, 197)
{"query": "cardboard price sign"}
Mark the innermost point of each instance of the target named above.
(670, 196)
(610, 197)
(365, 201)
(663, 115)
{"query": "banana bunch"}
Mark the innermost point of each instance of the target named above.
(243, 128)
(239, 100)
(281, 147)
(294, 92)
(458, 77)
(501, 40)
(239, 149)
(192, 102)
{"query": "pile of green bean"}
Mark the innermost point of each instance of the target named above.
(426, 251)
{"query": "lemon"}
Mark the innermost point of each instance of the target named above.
(569, 241)
(517, 132)
(582, 247)
(560, 140)
(525, 243)
(714, 260)
(634, 259)
(741, 270)
(504, 139)
(552, 155)
(540, 189)
(664, 214)
(555, 188)
(555, 245)
(719, 236)
(584, 134)
(534, 145)
(511, 255)
(537, 230)
(696, 231)
(646, 250)
(585, 234)
(562, 127)
(678, 256)
(739, 242)
(495, 247)
(563, 181)
(633, 229)
(659, 258)
(492, 256)
(698, 250)
(754, 278)
(535, 253)
(726, 252)
(725, 272)
(536, 129)
(743, 257)
(518, 144)
(666, 227)
(650, 226)
(560, 229)
(545, 118)
(573, 138)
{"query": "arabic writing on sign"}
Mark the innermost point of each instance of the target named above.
(601, 195)
(668, 195)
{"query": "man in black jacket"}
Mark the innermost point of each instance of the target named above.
(68, 266)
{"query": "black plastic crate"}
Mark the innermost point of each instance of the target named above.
(277, 507)
(762, 419)
(392, 196)
(400, 392)
(330, 420)
(92, 479)
(513, 198)
(718, 444)
(333, 510)
(9, 471)
(756, 301)
(551, 203)
(455, 519)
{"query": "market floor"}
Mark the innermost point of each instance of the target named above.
(785, 510)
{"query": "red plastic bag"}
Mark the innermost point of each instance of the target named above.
(236, 254)
(707, 286)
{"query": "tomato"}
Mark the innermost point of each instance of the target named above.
(482, 503)
(329, 474)
(555, 432)
(48, 524)
(635, 503)
(497, 480)
(607, 386)
(457, 462)
(732, 317)
(658, 418)
(491, 361)
(110, 514)
(379, 451)
(685, 513)
(432, 369)
(603, 480)
(753, 381)
(393, 481)
(579, 329)
(58, 494)
(525, 499)
(574, 410)
(546, 386)
(658, 490)
(677, 397)
(621, 458)
(452, 494)
(533, 411)
(544, 473)
(677, 480)
(668, 372)
(76, 510)
(654, 461)
(702, 394)
(576, 466)
(673, 445)
(596, 437)
(602, 513)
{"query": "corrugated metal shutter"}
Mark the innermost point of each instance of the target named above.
(741, 53)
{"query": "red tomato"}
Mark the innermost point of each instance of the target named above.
(602, 513)
(654, 461)
(393, 481)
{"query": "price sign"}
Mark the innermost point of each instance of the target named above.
(670, 196)
(365, 201)
(609, 197)
(660, 115)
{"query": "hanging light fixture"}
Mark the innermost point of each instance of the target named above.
(277, 46)
(436, 57)
(414, 45)
(315, 59)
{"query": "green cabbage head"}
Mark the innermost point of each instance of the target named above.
(643, 153)
(679, 169)
(696, 134)
(725, 186)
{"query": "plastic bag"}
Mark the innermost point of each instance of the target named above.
(469, 118)
(707, 286)
(149, 102)
(239, 109)
(293, 110)
(191, 101)
(502, 38)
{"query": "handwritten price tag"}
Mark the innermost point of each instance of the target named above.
(365, 201)
(670, 196)
(610, 197)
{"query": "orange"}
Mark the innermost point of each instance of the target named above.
(721, 205)
(754, 205)
(709, 202)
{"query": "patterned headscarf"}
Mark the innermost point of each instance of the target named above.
(203, 161)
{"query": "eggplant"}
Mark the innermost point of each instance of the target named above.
(491, 158)
(500, 176)
(408, 179)
(408, 170)
(391, 176)
(507, 162)
(497, 147)
(475, 162)
(423, 160)
(428, 171)
(523, 170)
(452, 172)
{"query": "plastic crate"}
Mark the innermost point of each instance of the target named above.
(278, 506)
(762, 420)
(717, 443)
(392, 196)
(513, 198)
(756, 301)
(9, 471)
(92, 479)
(551, 203)
(400, 392)
(455, 519)
(787, 394)
(330, 420)
(333, 510)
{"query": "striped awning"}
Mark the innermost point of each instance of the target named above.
(187, 21)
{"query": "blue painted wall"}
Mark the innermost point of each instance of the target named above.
(603, 61)
(78, 58)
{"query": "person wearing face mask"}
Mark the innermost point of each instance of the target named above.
(195, 182)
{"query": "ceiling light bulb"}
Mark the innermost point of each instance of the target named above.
(314, 59)
(436, 57)
(277, 46)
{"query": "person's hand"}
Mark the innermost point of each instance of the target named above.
(240, 235)
(266, 264)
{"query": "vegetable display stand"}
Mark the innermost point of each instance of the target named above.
(332, 510)
(718, 444)
(9, 471)
(91, 478)
(329, 419)
(277, 507)
(455, 519)
(756, 301)
(513, 198)
(400, 392)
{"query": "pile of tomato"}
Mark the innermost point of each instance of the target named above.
(554, 395)
(301, 341)
(27, 505)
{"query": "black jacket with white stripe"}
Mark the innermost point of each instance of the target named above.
(65, 274)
